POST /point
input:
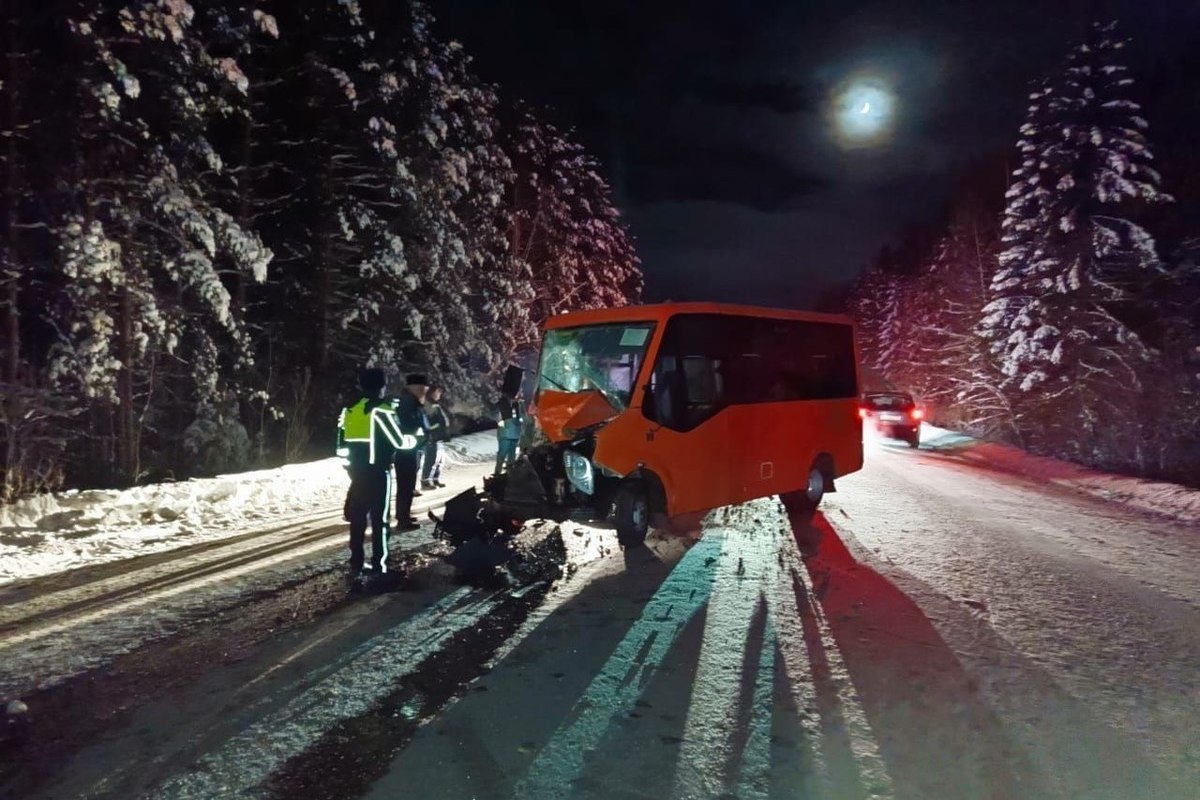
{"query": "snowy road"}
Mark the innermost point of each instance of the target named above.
(962, 633)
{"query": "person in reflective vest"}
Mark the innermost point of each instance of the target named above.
(369, 436)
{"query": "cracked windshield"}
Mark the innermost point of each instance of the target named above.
(606, 358)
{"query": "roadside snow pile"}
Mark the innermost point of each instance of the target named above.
(1157, 497)
(474, 448)
(56, 532)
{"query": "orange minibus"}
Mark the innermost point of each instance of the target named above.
(651, 412)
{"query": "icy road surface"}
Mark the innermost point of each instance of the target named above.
(962, 633)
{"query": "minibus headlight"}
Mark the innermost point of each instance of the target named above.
(579, 471)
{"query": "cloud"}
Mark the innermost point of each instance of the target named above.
(682, 170)
(782, 97)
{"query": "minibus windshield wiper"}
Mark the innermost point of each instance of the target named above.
(546, 377)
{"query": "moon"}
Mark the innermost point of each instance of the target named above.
(862, 110)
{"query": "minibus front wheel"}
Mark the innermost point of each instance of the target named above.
(631, 513)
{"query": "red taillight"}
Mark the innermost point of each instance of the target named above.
(862, 413)
(917, 413)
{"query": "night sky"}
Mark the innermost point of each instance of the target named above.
(712, 119)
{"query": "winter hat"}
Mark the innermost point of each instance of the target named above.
(372, 380)
(416, 380)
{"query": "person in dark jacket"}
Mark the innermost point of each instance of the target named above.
(369, 436)
(439, 434)
(510, 421)
(410, 410)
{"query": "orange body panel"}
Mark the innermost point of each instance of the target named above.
(741, 453)
(561, 414)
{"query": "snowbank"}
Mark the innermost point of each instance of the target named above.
(474, 448)
(56, 532)
(1168, 499)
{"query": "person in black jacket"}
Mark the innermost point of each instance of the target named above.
(439, 433)
(368, 438)
(410, 410)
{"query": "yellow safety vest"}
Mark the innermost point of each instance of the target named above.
(356, 423)
(360, 426)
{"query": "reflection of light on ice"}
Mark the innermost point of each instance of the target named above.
(717, 692)
(754, 626)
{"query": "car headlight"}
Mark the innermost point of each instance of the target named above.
(579, 471)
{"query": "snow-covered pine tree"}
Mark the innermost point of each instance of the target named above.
(896, 327)
(564, 224)
(391, 227)
(964, 383)
(249, 160)
(34, 419)
(869, 306)
(142, 236)
(1055, 320)
(454, 182)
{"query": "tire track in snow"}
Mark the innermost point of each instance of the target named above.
(76, 628)
(366, 677)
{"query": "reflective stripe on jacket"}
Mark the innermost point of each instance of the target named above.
(369, 434)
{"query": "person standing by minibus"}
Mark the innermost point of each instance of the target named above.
(411, 414)
(439, 434)
(368, 436)
(510, 421)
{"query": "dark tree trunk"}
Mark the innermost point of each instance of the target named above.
(11, 405)
(9, 269)
(245, 206)
(126, 440)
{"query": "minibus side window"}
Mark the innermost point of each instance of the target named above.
(688, 383)
(797, 360)
(710, 361)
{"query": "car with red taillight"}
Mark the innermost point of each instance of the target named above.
(893, 414)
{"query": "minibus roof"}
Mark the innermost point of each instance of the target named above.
(661, 311)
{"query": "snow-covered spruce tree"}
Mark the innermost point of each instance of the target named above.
(564, 225)
(898, 309)
(249, 159)
(388, 209)
(1070, 257)
(142, 241)
(869, 305)
(963, 383)
(471, 308)
(33, 419)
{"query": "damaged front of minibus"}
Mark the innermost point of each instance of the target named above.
(587, 376)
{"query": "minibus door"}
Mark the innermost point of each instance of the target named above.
(687, 437)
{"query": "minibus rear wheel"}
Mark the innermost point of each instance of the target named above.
(807, 499)
(631, 513)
